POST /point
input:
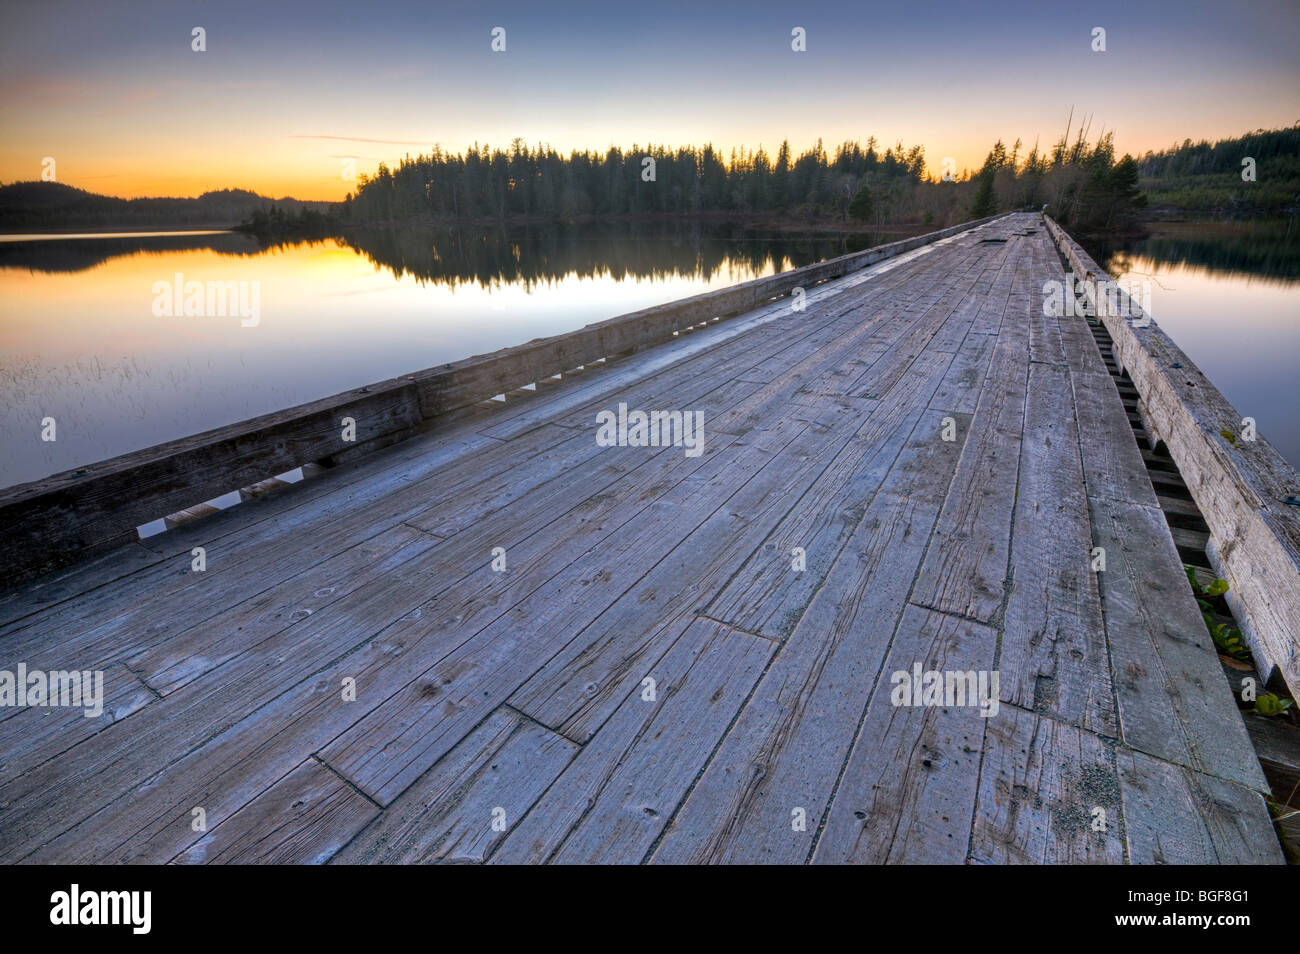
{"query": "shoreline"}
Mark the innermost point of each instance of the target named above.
(1167, 220)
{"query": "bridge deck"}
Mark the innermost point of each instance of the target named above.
(517, 699)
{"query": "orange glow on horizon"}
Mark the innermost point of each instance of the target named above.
(304, 172)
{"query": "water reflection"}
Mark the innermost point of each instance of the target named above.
(493, 256)
(1262, 248)
(80, 253)
(544, 253)
(1229, 294)
(79, 340)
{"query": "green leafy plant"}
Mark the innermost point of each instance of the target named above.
(1227, 639)
(1228, 436)
(1268, 704)
(1215, 588)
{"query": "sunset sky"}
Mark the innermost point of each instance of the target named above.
(285, 91)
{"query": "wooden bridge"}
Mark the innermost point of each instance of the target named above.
(475, 634)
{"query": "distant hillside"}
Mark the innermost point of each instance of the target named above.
(53, 205)
(1207, 177)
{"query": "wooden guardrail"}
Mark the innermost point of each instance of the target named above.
(68, 516)
(1247, 493)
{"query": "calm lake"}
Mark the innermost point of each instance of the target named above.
(1228, 293)
(80, 340)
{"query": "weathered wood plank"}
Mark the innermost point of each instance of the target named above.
(470, 800)
(133, 620)
(847, 353)
(965, 572)
(1047, 341)
(44, 802)
(18, 600)
(1112, 463)
(1049, 794)
(396, 742)
(1081, 352)
(1054, 658)
(1240, 486)
(613, 801)
(577, 689)
(304, 818)
(787, 747)
(768, 596)
(908, 790)
(885, 373)
(1278, 746)
(1176, 816)
(270, 522)
(192, 651)
(1173, 700)
(994, 307)
(195, 596)
(957, 301)
(33, 735)
(961, 387)
(968, 312)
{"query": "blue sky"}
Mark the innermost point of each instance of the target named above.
(113, 91)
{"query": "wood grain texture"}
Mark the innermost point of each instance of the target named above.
(59, 519)
(1240, 487)
(1174, 816)
(356, 678)
(471, 800)
(1048, 795)
(1173, 700)
(31, 736)
(1054, 657)
(908, 789)
(1112, 463)
(965, 572)
(304, 818)
(613, 801)
(790, 742)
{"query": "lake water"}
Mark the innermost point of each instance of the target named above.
(81, 342)
(1229, 294)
